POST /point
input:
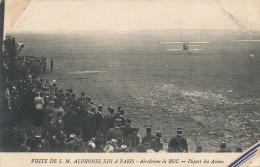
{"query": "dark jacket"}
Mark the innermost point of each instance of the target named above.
(178, 144)
(127, 130)
(108, 122)
(113, 133)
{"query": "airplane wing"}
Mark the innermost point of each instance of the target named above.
(200, 42)
(248, 40)
(163, 43)
(196, 49)
(184, 43)
(194, 45)
(173, 50)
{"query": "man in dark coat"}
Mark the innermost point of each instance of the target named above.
(59, 123)
(133, 139)
(146, 140)
(157, 143)
(127, 129)
(47, 111)
(53, 132)
(108, 121)
(98, 149)
(178, 143)
(91, 124)
(99, 118)
(51, 64)
(114, 133)
(123, 121)
(117, 115)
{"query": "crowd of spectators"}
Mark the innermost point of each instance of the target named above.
(75, 124)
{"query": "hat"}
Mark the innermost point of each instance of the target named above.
(122, 111)
(148, 129)
(89, 99)
(159, 133)
(128, 120)
(100, 107)
(112, 110)
(223, 144)
(114, 140)
(238, 150)
(198, 149)
(124, 146)
(118, 120)
(70, 90)
(72, 135)
(91, 102)
(118, 123)
(179, 130)
(136, 129)
(82, 94)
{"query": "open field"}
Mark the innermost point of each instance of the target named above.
(164, 90)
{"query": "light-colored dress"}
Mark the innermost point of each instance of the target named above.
(38, 101)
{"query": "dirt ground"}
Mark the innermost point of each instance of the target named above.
(213, 95)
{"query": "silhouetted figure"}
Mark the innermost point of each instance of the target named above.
(51, 64)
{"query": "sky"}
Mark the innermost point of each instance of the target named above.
(67, 16)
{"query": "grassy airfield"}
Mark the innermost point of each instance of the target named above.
(214, 95)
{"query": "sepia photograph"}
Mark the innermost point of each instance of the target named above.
(127, 76)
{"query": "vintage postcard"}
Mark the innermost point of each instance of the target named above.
(130, 83)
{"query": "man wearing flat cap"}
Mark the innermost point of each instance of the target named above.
(178, 143)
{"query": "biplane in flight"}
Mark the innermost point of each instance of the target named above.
(188, 47)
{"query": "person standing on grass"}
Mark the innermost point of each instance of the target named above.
(51, 64)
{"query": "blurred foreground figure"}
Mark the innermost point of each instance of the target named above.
(178, 143)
